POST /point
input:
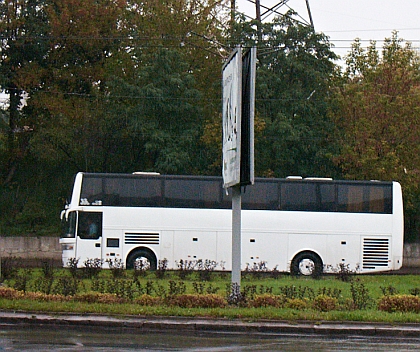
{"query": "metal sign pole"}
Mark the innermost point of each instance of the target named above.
(238, 141)
(236, 236)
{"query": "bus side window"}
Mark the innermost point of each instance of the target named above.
(299, 196)
(90, 225)
(352, 199)
(327, 197)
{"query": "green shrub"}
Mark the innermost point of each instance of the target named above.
(42, 297)
(197, 301)
(300, 292)
(360, 295)
(414, 291)
(9, 268)
(162, 268)
(185, 268)
(267, 300)
(297, 303)
(10, 293)
(148, 300)
(205, 268)
(67, 286)
(44, 284)
(325, 303)
(48, 268)
(92, 267)
(95, 297)
(177, 287)
(22, 280)
(117, 268)
(399, 303)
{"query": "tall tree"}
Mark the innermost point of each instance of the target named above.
(377, 113)
(295, 67)
(22, 34)
(171, 82)
(68, 87)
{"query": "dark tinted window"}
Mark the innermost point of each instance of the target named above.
(299, 196)
(193, 193)
(364, 198)
(90, 225)
(121, 191)
(350, 199)
(207, 192)
(262, 195)
(327, 197)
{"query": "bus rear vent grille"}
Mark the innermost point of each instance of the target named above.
(141, 238)
(375, 253)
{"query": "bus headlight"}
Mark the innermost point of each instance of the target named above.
(67, 247)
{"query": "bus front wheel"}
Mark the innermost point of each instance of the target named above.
(306, 264)
(141, 259)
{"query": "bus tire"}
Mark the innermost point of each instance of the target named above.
(307, 264)
(143, 255)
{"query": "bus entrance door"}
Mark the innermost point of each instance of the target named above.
(89, 237)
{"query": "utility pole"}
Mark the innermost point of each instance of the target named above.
(276, 10)
(310, 15)
(232, 19)
(258, 18)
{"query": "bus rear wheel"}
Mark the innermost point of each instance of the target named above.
(307, 264)
(141, 259)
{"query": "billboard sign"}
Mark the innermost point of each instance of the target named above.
(231, 115)
(247, 117)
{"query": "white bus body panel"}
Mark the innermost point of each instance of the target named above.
(364, 242)
(267, 236)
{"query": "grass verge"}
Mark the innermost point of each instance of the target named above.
(262, 297)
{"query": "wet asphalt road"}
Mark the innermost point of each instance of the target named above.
(44, 332)
(30, 338)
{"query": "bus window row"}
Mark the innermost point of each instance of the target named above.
(266, 194)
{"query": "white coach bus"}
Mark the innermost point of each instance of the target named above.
(304, 226)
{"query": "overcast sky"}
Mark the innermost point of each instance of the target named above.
(345, 20)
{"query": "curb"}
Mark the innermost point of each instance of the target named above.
(203, 325)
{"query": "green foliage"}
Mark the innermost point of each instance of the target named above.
(185, 268)
(201, 288)
(293, 77)
(117, 268)
(323, 299)
(360, 295)
(66, 286)
(22, 280)
(48, 268)
(205, 268)
(399, 303)
(44, 285)
(297, 303)
(268, 300)
(92, 267)
(116, 88)
(344, 273)
(375, 110)
(415, 291)
(299, 292)
(325, 303)
(148, 300)
(197, 301)
(94, 297)
(9, 268)
(389, 290)
(162, 268)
